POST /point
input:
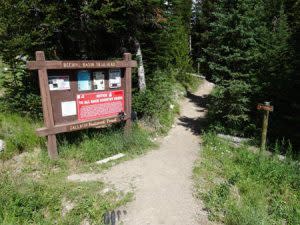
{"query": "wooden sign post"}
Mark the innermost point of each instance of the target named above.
(266, 108)
(83, 94)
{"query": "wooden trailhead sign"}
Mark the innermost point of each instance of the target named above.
(82, 94)
(265, 107)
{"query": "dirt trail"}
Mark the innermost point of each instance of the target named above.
(162, 179)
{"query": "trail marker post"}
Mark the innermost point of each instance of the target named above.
(266, 108)
(82, 94)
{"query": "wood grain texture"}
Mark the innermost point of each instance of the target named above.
(46, 104)
(73, 126)
(128, 94)
(88, 64)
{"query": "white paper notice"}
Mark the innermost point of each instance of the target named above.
(99, 82)
(114, 78)
(68, 108)
(59, 83)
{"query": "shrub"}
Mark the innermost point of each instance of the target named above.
(21, 93)
(158, 102)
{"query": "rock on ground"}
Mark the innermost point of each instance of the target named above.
(2, 145)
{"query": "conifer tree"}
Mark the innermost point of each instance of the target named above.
(231, 57)
(250, 57)
(95, 30)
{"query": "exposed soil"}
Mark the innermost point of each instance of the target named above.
(162, 179)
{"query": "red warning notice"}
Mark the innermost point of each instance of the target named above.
(100, 104)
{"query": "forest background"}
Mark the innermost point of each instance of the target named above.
(249, 48)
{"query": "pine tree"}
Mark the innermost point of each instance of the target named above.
(287, 116)
(95, 30)
(201, 18)
(231, 58)
(251, 59)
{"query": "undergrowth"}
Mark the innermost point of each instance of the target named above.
(19, 134)
(89, 145)
(158, 104)
(239, 186)
(38, 193)
(92, 145)
(34, 188)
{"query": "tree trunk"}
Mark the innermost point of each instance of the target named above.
(141, 70)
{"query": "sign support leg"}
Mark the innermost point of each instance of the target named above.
(46, 103)
(52, 146)
(128, 57)
(264, 128)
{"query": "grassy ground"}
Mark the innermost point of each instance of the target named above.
(39, 192)
(240, 187)
(34, 190)
(19, 135)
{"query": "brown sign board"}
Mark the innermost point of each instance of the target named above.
(83, 94)
(265, 107)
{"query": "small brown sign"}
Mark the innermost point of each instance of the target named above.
(265, 107)
(79, 95)
(95, 124)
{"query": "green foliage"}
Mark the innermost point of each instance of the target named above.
(158, 102)
(243, 187)
(174, 47)
(25, 203)
(40, 201)
(18, 134)
(89, 146)
(71, 30)
(35, 192)
(201, 18)
(21, 92)
(231, 57)
(244, 47)
(157, 96)
(286, 117)
(229, 104)
(90, 30)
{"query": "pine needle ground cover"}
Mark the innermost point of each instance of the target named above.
(239, 186)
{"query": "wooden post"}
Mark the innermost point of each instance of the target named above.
(47, 107)
(127, 57)
(264, 127)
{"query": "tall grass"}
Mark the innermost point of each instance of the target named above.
(33, 189)
(25, 200)
(89, 145)
(34, 192)
(19, 134)
(92, 145)
(243, 187)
